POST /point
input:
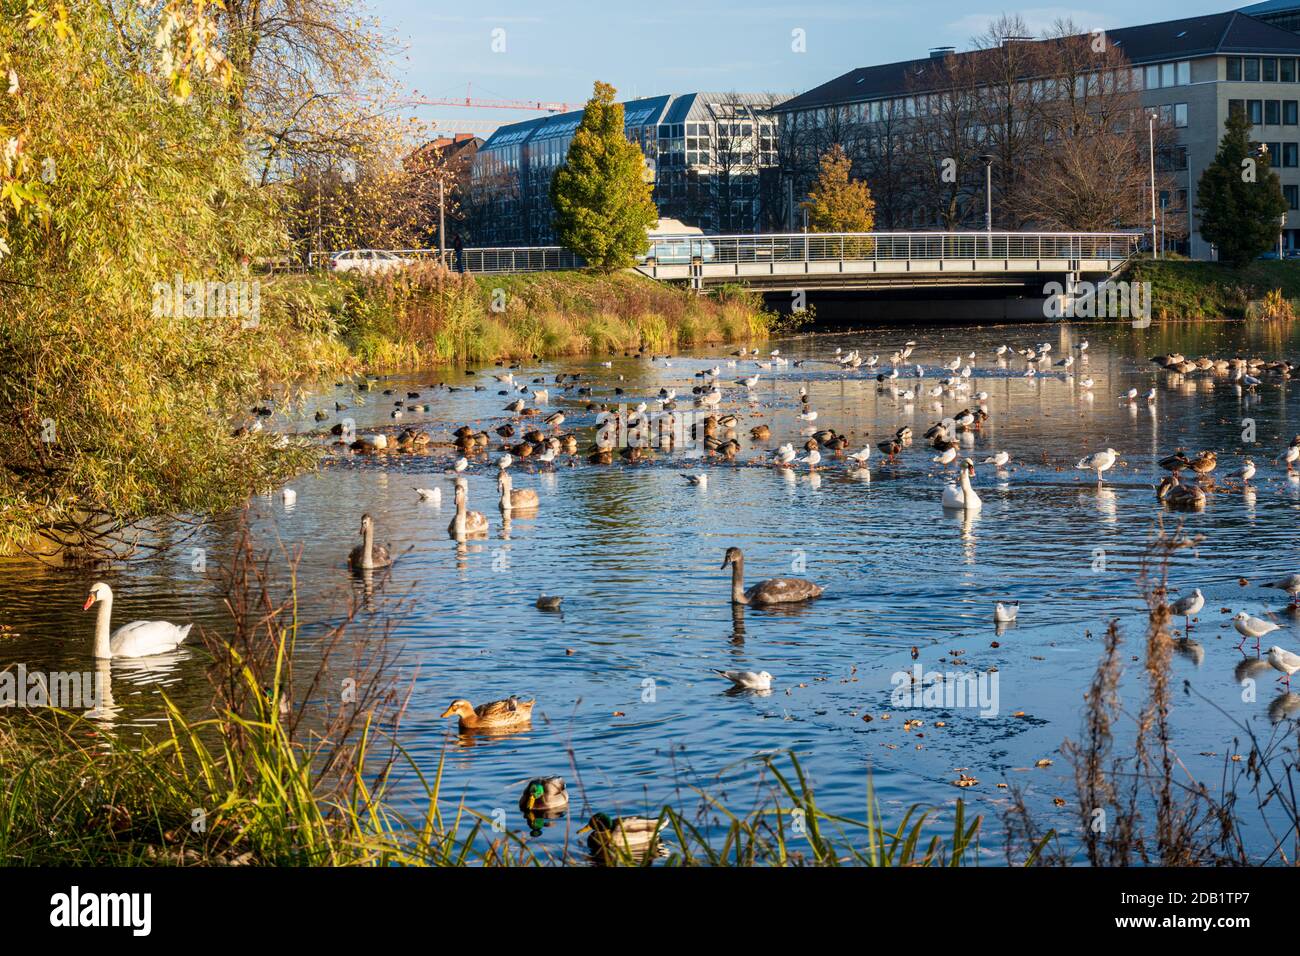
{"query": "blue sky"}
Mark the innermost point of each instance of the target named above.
(553, 51)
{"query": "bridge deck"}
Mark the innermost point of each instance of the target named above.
(838, 260)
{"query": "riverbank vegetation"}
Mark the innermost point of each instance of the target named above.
(1187, 289)
(426, 315)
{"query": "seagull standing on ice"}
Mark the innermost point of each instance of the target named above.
(1187, 606)
(1290, 584)
(1098, 462)
(1255, 627)
(1284, 661)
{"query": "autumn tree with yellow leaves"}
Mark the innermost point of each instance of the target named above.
(837, 201)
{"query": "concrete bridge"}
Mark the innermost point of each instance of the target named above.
(889, 260)
(875, 261)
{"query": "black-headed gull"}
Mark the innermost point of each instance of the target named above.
(1249, 627)
(1187, 606)
(1290, 584)
(1284, 661)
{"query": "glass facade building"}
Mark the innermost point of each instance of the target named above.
(710, 156)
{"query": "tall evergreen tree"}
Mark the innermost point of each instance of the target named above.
(837, 202)
(600, 195)
(1239, 198)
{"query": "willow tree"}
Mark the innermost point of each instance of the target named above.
(601, 195)
(123, 174)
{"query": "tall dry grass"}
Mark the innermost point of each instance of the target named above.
(427, 314)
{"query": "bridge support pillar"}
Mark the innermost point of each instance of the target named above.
(1062, 305)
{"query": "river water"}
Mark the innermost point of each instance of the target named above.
(629, 710)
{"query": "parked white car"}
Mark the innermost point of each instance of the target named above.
(369, 261)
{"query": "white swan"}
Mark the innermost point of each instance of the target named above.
(137, 639)
(963, 498)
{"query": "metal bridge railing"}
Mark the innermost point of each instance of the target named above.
(802, 247)
(886, 246)
(486, 259)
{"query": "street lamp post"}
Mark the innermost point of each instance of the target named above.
(988, 159)
(1151, 138)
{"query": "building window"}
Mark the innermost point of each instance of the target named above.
(1167, 74)
(1236, 107)
(1250, 69)
(1272, 112)
(1234, 68)
(1153, 78)
(1287, 70)
(1269, 71)
(1180, 114)
(1292, 194)
(1255, 112)
(1289, 113)
(1291, 155)
(1184, 72)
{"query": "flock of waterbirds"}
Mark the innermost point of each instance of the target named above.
(529, 434)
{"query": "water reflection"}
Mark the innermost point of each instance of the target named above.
(635, 551)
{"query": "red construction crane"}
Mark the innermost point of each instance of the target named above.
(469, 101)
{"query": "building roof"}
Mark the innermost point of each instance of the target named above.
(647, 111)
(1271, 6)
(1231, 32)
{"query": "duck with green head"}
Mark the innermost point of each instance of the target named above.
(544, 796)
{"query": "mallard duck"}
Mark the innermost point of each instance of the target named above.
(1177, 495)
(368, 556)
(892, 447)
(602, 456)
(770, 591)
(544, 795)
(632, 835)
(1204, 463)
(512, 499)
(549, 602)
(466, 522)
(495, 715)
(1175, 462)
(760, 433)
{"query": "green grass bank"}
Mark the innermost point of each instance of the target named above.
(1186, 289)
